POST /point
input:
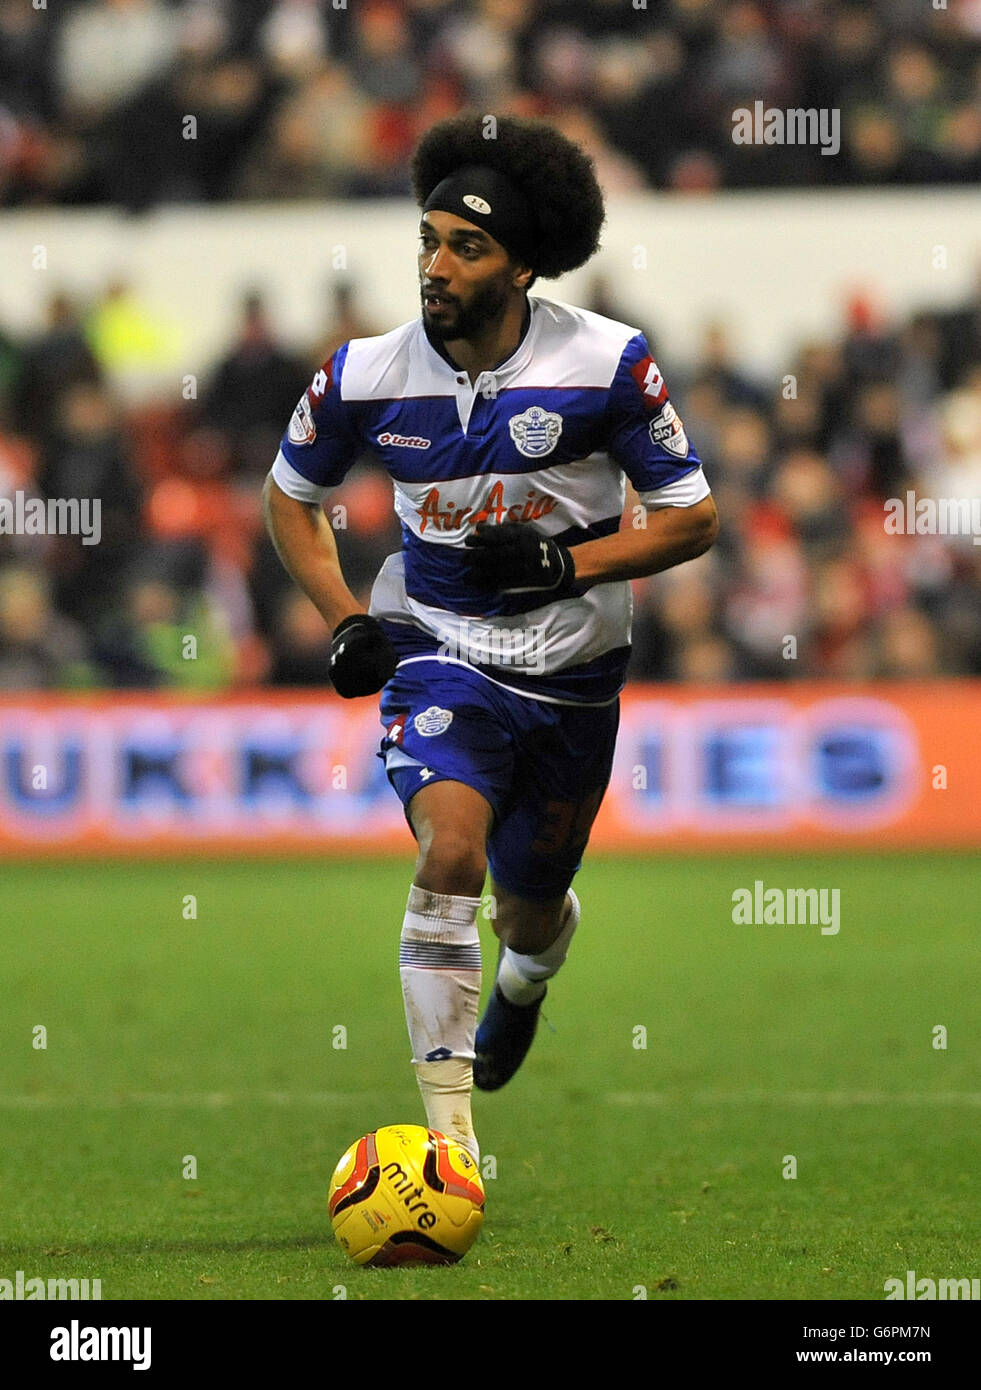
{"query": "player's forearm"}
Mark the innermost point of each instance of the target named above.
(305, 543)
(672, 536)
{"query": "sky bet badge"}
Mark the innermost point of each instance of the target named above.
(302, 430)
(536, 432)
(667, 430)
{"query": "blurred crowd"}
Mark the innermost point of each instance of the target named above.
(144, 102)
(141, 102)
(806, 579)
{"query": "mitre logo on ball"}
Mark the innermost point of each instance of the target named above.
(536, 431)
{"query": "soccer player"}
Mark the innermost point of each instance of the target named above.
(499, 636)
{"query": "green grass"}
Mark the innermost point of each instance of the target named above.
(617, 1166)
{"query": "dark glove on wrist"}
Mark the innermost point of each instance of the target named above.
(362, 659)
(515, 558)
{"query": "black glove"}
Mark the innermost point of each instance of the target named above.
(515, 558)
(362, 659)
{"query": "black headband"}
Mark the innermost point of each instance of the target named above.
(488, 199)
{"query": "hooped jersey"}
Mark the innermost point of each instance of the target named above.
(546, 438)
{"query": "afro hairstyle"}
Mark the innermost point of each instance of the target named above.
(557, 177)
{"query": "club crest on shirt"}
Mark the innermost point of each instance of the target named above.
(302, 430)
(667, 430)
(536, 431)
(433, 721)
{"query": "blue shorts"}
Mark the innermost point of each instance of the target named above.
(543, 767)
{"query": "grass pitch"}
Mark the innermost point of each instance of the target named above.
(641, 1151)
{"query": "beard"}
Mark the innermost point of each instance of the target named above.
(470, 321)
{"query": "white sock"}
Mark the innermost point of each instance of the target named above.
(522, 978)
(439, 962)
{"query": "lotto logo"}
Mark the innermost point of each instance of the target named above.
(321, 383)
(650, 382)
(404, 441)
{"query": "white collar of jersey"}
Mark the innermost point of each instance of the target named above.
(514, 364)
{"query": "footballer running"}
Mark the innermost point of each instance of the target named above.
(499, 635)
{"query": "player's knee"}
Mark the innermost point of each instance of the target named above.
(452, 863)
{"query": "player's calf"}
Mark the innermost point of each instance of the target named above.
(525, 924)
(522, 972)
(508, 1026)
(439, 966)
(439, 954)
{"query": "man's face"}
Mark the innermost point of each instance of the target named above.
(466, 277)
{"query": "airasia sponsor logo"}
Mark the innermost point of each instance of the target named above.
(450, 516)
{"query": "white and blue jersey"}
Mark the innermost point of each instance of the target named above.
(547, 437)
